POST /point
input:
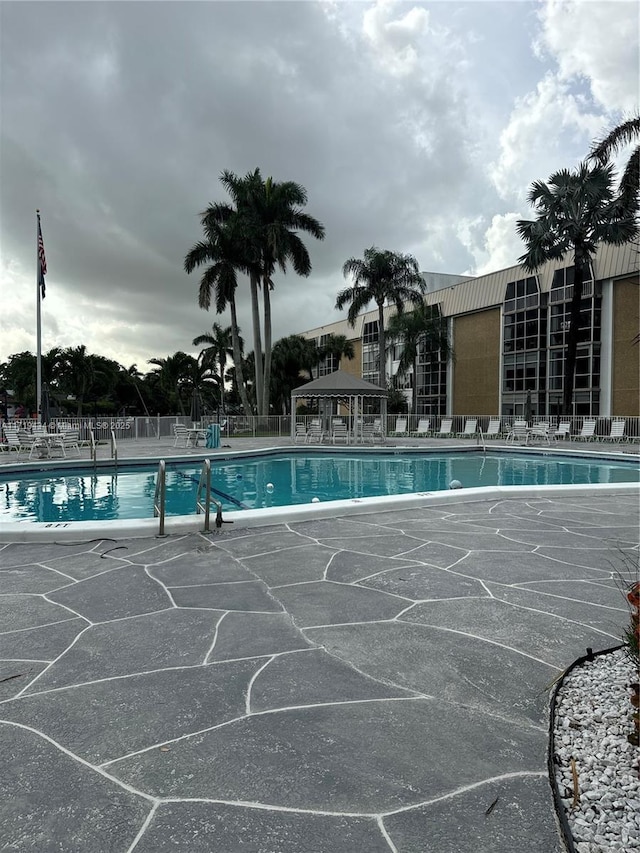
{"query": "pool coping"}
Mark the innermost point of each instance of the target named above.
(179, 525)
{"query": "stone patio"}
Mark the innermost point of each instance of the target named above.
(373, 683)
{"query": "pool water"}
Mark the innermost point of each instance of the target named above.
(281, 480)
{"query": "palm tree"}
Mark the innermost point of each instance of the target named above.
(292, 356)
(221, 249)
(266, 216)
(77, 373)
(574, 212)
(421, 331)
(338, 346)
(220, 348)
(384, 277)
(173, 373)
(602, 151)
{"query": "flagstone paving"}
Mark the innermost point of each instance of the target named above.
(370, 683)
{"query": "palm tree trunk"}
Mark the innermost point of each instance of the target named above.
(382, 372)
(223, 361)
(237, 358)
(572, 335)
(257, 341)
(414, 392)
(267, 348)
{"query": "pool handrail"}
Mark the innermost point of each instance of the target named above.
(159, 496)
(114, 449)
(205, 505)
(93, 447)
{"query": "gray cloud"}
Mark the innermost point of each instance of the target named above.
(117, 119)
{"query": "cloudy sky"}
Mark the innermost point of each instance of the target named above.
(416, 127)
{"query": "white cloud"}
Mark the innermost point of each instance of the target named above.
(544, 125)
(596, 41)
(396, 42)
(502, 246)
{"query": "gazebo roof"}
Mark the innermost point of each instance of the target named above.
(339, 384)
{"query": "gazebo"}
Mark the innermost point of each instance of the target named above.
(340, 387)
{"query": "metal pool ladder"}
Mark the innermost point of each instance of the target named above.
(204, 501)
(159, 496)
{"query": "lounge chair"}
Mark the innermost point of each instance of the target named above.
(588, 431)
(27, 441)
(563, 430)
(423, 428)
(470, 428)
(300, 433)
(339, 432)
(315, 433)
(445, 427)
(493, 430)
(617, 431)
(13, 440)
(401, 427)
(518, 431)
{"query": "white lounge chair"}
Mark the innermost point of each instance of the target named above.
(518, 431)
(315, 433)
(300, 433)
(470, 428)
(423, 428)
(445, 427)
(588, 431)
(493, 430)
(617, 431)
(339, 432)
(401, 427)
(12, 437)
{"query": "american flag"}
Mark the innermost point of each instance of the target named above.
(42, 261)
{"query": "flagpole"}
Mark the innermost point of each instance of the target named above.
(38, 324)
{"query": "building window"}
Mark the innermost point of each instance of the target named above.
(329, 362)
(534, 345)
(431, 396)
(370, 353)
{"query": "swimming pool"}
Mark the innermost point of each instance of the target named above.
(284, 479)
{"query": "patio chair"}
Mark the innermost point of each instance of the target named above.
(68, 440)
(401, 427)
(617, 431)
(315, 433)
(539, 431)
(339, 432)
(518, 431)
(563, 430)
(27, 441)
(470, 428)
(181, 435)
(423, 428)
(588, 431)
(13, 440)
(493, 430)
(300, 433)
(445, 427)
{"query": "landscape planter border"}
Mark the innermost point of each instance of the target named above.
(565, 829)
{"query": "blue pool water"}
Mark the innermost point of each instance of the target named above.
(282, 480)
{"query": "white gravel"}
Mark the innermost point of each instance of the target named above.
(593, 719)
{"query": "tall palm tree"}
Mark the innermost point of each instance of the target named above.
(266, 216)
(422, 330)
(222, 250)
(574, 212)
(220, 347)
(384, 277)
(602, 151)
